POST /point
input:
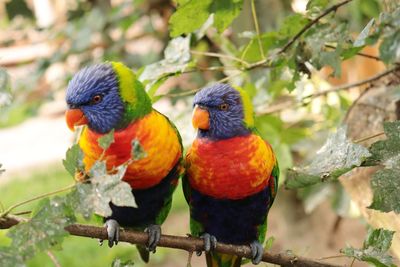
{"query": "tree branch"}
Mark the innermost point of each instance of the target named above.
(358, 54)
(189, 244)
(311, 23)
(293, 104)
(351, 85)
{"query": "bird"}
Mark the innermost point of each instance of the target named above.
(232, 174)
(107, 97)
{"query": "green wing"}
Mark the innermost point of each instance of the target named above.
(274, 182)
(273, 187)
(196, 229)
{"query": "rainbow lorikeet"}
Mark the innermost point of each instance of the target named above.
(231, 174)
(108, 97)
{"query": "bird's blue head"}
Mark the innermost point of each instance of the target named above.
(105, 96)
(221, 112)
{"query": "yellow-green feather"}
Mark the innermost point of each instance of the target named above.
(126, 79)
(247, 107)
(132, 92)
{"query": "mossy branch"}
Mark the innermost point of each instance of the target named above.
(189, 244)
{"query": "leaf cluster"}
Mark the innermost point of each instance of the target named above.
(45, 229)
(374, 249)
(338, 156)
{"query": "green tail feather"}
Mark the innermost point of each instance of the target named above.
(144, 253)
(222, 260)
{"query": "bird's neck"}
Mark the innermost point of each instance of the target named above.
(136, 102)
(134, 112)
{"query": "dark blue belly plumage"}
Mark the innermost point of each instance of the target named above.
(231, 221)
(150, 202)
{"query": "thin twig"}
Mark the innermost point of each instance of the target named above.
(358, 54)
(293, 104)
(368, 137)
(22, 213)
(255, 19)
(7, 211)
(53, 258)
(332, 257)
(192, 92)
(352, 262)
(311, 23)
(189, 244)
(352, 85)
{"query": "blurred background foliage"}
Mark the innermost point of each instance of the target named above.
(43, 43)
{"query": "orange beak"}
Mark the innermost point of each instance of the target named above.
(75, 117)
(201, 118)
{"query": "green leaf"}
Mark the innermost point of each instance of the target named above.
(152, 89)
(386, 185)
(315, 50)
(192, 14)
(297, 179)
(389, 29)
(106, 140)
(137, 151)
(380, 239)
(79, 199)
(269, 41)
(225, 11)
(73, 161)
(350, 52)
(374, 249)
(370, 8)
(337, 156)
(360, 40)
(9, 257)
(387, 151)
(320, 4)
(103, 189)
(189, 17)
(292, 25)
(44, 230)
(389, 50)
(176, 59)
(332, 59)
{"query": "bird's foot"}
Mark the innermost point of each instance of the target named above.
(154, 232)
(210, 243)
(112, 228)
(257, 251)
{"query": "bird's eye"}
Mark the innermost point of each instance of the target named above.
(96, 99)
(224, 107)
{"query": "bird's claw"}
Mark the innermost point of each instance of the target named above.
(154, 232)
(257, 251)
(112, 228)
(210, 243)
